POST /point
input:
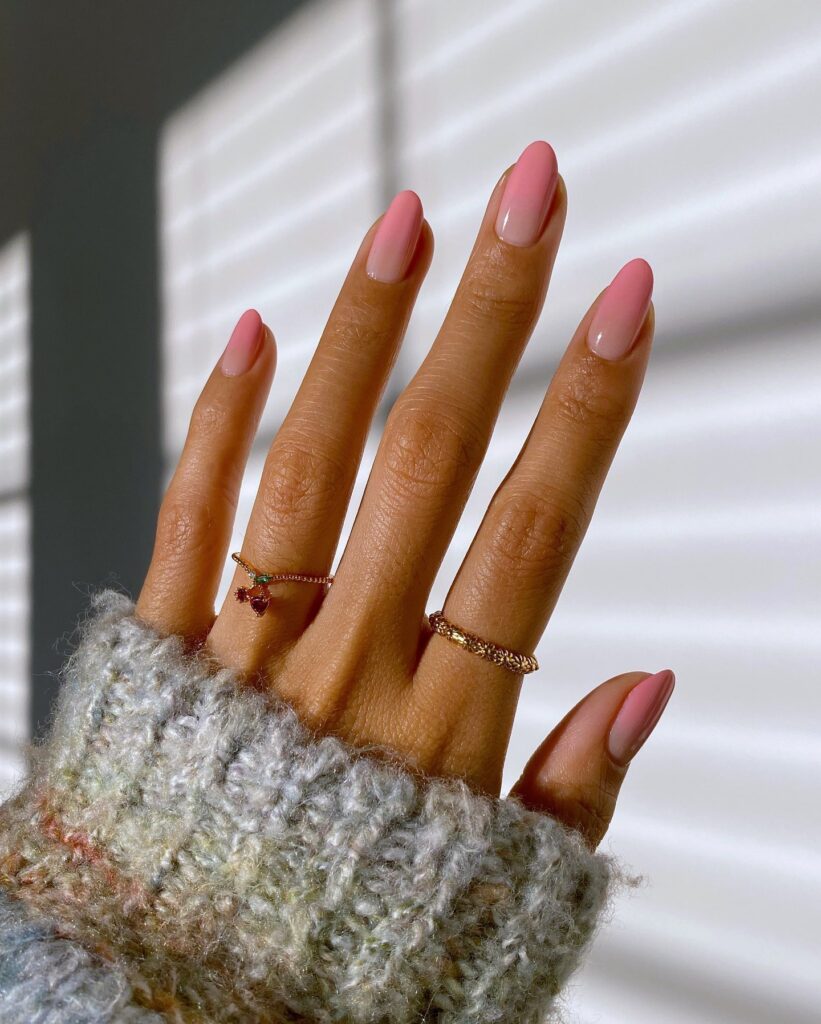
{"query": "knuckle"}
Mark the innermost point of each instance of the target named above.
(300, 481)
(496, 294)
(209, 419)
(587, 807)
(184, 527)
(428, 452)
(591, 819)
(585, 400)
(362, 325)
(592, 807)
(535, 533)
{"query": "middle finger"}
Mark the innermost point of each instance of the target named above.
(438, 430)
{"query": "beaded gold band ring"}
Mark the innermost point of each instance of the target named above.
(521, 664)
(258, 596)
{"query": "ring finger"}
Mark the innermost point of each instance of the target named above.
(512, 575)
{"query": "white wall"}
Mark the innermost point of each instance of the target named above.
(687, 134)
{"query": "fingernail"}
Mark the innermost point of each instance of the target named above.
(243, 345)
(395, 240)
(639, 715)
(527, 195)
(621, 311)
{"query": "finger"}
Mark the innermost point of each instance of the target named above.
(511, 577)
(311, 466)
(197, 512)
(577, 772)
(438, 429)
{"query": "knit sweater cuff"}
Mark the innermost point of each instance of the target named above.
(237, 867)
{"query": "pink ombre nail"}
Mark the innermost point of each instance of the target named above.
(243, 345)
(639, 715)
(527, 195)
(395, 240)
(621, 311)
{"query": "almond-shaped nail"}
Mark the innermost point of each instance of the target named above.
(527, 196)
(639, 715)
(621, 311)
(243, 345)
(395, 240)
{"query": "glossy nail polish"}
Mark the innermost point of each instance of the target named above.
(527, 196)
(395, 240)
(639, 715)
(243, 345)
(621, 311)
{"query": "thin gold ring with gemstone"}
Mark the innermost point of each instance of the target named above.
(258, 596)
(514, 661)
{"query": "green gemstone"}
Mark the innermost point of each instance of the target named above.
(263, 579)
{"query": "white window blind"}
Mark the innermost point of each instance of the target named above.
(14, 507)
(687, 134)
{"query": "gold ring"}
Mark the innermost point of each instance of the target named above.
(258, 595)
(521, 664)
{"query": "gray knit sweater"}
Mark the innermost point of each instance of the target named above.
(186, 850)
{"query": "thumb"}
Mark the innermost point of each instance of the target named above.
(576, 773)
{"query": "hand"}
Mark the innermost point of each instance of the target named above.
(359, 659)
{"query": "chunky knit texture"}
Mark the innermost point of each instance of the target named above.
(229, 865)
(45, 979)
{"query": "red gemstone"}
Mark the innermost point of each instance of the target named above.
(241, 594)
(260, 603)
